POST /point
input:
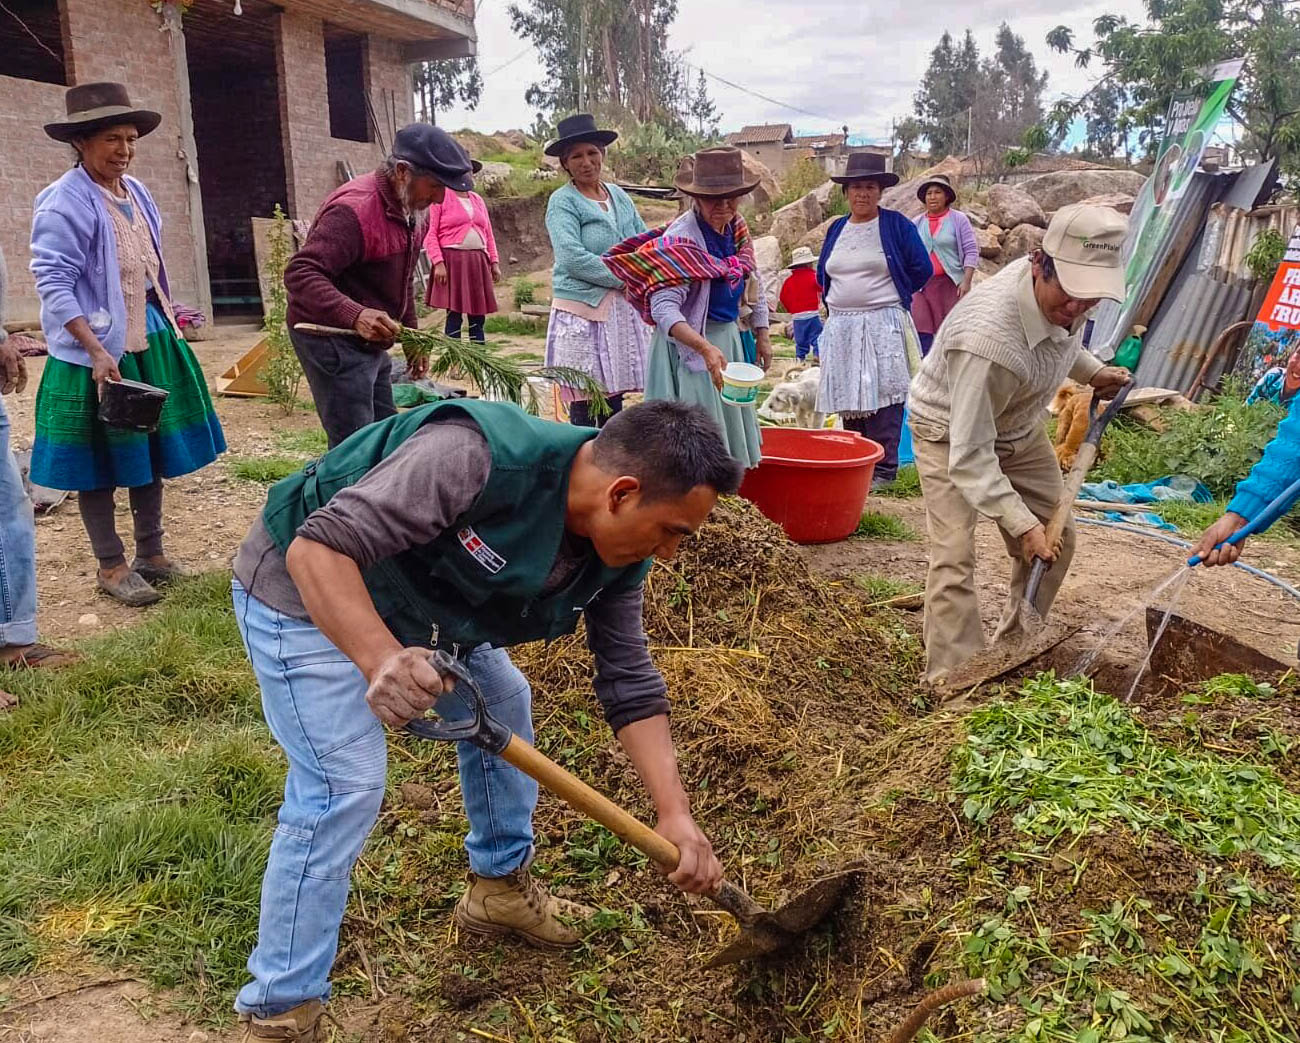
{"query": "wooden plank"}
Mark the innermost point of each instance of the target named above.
(244, 378)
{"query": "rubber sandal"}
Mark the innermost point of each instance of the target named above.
(33, 657)
(159, 575)
(132, 589)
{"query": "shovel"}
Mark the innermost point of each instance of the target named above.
(1039, 637)
(762, 931)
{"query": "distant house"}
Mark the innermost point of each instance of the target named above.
(772, 144)
(262, 103)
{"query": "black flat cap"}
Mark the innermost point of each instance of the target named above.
(436, 151)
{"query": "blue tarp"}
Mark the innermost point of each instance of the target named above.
(1177, 487)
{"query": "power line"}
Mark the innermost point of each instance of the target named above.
(756, 94)
(508, 62)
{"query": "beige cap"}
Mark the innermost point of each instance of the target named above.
(1087, 244)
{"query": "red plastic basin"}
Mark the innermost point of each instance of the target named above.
(813, 484)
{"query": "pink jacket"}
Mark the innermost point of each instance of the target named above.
(448, 226)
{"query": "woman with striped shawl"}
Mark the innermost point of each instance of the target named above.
(687, 281)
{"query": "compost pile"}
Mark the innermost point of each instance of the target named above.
(1111, 875)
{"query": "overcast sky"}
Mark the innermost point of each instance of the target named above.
(845, 61)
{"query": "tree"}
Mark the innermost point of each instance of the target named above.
(947, 94)
(440, 84)
(610, 55)
(1147, 63)
(982, 107)
(701, 108)
(907, 132)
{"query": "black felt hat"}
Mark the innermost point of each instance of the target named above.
(574, 129)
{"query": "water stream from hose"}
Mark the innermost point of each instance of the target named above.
(1174, 583)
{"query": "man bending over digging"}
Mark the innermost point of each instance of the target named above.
(467, 526)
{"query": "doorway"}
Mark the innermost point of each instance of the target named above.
(235, 98)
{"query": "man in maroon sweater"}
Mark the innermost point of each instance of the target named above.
(355, 272)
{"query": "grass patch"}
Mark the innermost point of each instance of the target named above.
(264, 469)
(515, 325)
(877, 526)
(311, 442)
(884, 588)
(137, 798)
(906, 486)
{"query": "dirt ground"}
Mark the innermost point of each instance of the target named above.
(1113, 573)
(207, 514)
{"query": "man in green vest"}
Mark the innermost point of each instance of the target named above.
(467, 526)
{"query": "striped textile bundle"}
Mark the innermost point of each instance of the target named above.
(654, 261)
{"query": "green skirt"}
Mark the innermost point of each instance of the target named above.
(75, 450)
(666, 377)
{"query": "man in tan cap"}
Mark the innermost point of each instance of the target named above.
(977, 408)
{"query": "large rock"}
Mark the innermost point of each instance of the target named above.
(816, 237)
(990, 242)
(792, 222)
(768, 189)
(978, 214)
(1053, 191)
(902, 197)
(1009, 207)
(492, 176)
(1021, 240)
(824, 193)
(517, 138)
(767, 253)
(1121, 201)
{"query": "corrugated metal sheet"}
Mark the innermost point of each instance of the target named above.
(1112, 321)
(1213, 289)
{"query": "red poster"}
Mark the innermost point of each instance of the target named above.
(1277, 326)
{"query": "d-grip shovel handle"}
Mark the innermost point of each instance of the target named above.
(1083, 461)
(486, 732)
(1284, 502)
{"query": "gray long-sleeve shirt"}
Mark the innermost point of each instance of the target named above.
(408, 500)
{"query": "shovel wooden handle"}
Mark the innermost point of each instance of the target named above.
(581, 797)
(325, 331)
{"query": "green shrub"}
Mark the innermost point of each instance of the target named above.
(1218, 444)
(804, 176)
(525, 290)
(877, 526)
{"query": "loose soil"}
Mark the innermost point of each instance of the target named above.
(807, 742)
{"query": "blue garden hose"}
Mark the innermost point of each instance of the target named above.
(1165, 537)
(1284, 502)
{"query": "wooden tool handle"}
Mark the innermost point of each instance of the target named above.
(581, 797)
(324, 331)
(1083, 462)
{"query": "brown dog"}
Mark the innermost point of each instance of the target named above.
(1072, 405)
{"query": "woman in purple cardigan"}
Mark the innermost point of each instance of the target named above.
(954, 254)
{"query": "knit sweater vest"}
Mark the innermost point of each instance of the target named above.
(986, 322)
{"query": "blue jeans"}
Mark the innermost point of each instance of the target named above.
(806, 334)
(17, 549)
(314, 700)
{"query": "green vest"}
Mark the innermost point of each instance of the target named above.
(481, 580)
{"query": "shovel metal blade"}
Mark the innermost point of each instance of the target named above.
(779, 928)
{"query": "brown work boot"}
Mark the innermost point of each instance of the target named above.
(519, 906)
(304, 1023)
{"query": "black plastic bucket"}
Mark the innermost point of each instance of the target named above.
(132, 406)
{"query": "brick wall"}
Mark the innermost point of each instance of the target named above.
(119, 40)
(107, 40)
(312, 154)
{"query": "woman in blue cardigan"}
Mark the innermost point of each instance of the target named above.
(592, 326)
(871, 264)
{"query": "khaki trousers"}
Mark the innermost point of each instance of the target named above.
(953, 630)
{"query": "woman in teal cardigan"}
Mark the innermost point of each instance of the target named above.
(592, 327)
